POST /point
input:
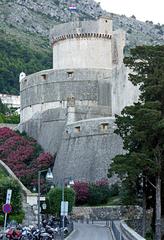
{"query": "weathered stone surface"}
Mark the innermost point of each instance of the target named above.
(108, 213)
(86, 150)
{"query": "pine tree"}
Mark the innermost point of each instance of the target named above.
(141, 127)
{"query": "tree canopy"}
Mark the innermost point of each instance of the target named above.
(141, 126)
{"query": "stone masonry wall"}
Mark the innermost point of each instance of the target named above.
(107, 213)
(86, 150)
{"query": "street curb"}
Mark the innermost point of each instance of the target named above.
(71, 234)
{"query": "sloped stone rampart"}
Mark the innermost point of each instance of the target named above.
(87, 149)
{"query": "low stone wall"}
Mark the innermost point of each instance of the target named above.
(11, 126)
(107, 213)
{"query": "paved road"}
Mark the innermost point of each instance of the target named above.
(90, 232)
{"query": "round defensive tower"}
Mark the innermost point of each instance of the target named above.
(85, 44)
(69, 109)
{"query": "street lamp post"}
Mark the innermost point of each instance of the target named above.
(70, 183)
(49, 177)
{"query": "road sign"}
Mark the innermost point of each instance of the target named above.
(7, 208)
(8, 196)
(64, 208)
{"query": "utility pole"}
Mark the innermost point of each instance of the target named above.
(158, 209)
(144, 208)
(158, 196)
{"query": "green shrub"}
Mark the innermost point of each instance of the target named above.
(17, 217)
(16, 198)
(98, 192)
(2, 118)
(1, 219)
(12, 119)
(149, 236)
(95, 195)
(54, 197)
(114, 190)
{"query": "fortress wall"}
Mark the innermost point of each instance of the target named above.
(124, 93)
(59, 91)
(50, 89)
(63, 75)
(118, 44)
(83, 108)
(87, 112)
(47, 128)
(86, 154)
(85, 52)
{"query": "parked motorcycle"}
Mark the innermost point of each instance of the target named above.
(13, 234)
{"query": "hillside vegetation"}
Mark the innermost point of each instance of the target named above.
(16, 57)
(24, 34)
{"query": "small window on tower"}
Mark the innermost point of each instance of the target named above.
(77, 129)
(106, 21)
(44, 76)
(104, 126)
(70, 74)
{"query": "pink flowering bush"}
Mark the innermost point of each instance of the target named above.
(23, 155)
(82, 192)
(92, 193)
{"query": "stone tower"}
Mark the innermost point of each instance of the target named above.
(70, 109)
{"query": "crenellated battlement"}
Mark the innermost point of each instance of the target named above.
(81, 35)
(102, 28)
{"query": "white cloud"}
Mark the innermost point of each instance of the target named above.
(142, 9)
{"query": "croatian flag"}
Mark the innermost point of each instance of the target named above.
(72, 8)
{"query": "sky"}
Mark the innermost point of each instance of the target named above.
(152, 10)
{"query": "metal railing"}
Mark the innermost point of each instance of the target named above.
(122, 232)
